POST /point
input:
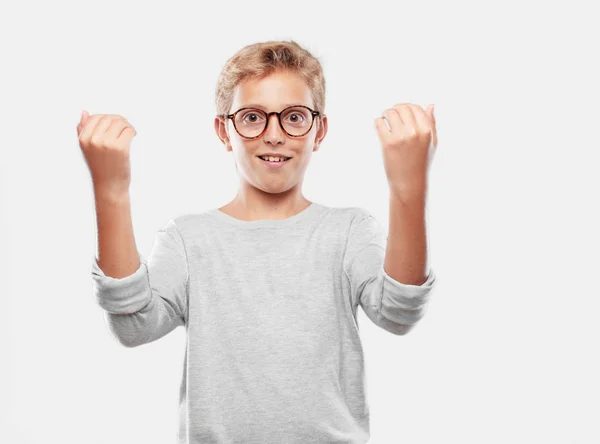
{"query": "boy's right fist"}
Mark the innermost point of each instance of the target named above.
(105, 140)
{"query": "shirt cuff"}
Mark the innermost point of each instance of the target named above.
(121, 295)
(410, 294)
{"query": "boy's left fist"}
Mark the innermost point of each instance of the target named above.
(408, 148)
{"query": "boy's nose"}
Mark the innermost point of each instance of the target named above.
(274, 132)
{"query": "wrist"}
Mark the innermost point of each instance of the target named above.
(408, 195)
(111, 195)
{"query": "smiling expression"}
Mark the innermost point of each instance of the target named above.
(272, 93)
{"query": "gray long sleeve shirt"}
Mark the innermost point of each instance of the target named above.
(270, 310)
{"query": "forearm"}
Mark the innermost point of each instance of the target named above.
(406, 250)
(137, 311)
(117, 252)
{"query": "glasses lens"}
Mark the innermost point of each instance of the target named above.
(295, 120)
(250, 122)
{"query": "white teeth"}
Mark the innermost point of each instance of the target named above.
(272, 159)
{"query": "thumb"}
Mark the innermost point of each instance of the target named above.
(84, 117)
(430, 109)
(430, 114)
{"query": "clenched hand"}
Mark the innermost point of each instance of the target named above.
(105, 140)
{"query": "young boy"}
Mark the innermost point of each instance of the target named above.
(267, 286)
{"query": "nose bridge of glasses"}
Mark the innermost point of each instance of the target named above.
(277, 118)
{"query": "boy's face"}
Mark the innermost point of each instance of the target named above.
(272, 93)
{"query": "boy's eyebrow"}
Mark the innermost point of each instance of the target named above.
(264, 108)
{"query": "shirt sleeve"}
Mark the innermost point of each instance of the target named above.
(394, 306)
(151, 302)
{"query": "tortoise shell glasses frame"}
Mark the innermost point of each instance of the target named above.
(268, 115)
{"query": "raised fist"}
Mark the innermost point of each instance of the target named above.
(105, 140)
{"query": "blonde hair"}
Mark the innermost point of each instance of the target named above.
(261, 59)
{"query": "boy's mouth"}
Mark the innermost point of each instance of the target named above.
(274, 161)
(275, 158)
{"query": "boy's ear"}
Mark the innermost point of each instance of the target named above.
(221, 130)
(321, 131)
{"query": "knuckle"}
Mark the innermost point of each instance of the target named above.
(120, 147)
(426, 132)
(96, 141)
(112, 144)
(83, 142)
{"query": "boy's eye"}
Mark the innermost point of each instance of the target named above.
(253, 117)
(298, 116)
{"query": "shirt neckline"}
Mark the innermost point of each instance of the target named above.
(309, 212)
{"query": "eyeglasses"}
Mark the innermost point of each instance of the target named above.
(250, 123)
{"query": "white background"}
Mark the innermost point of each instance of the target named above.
(508, 350)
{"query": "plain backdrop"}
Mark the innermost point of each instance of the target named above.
(508, 349)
